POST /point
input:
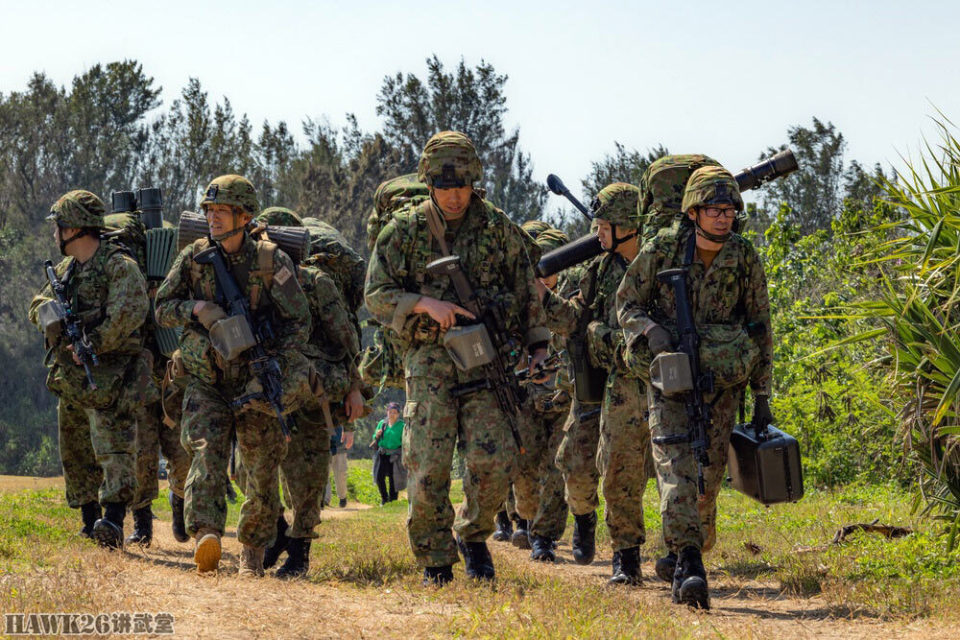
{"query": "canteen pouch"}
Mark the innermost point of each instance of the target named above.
(670, 373)
(469, 347)
(729, 353)
(51, 315)
(765, 465)
(231, 337)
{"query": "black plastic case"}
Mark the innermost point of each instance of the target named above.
(765, 466)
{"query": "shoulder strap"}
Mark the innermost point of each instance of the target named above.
(266, 252)
(196, 270)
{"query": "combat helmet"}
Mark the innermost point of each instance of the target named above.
(711, 186)
(279, 217)
(534, 227)
(235, 191)
(80, 209)
(449, 160)
(551, 239)
(617, 204)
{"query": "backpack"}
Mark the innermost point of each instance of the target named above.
(391, 196)
(661, 191)
(330, 251)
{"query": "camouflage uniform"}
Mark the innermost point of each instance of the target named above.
(96, 426)
(494, 255)
(208, 419)
(729, 302)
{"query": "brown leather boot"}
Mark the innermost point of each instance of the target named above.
(251, 561)
(207, 552)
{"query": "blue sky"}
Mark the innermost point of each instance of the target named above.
(726, 79)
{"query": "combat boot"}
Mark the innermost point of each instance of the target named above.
(437, 576)
(690, 580)
(504, 530)
(142, 527)
(476, 559)
(298, 559)
(272, 554)
(251, 562)
(627, 569)
(521, 537)
(108, 530)
(177, 525)
(584, 537)
(542, 549)
(207, 552)
(667, 566)
(90, 513)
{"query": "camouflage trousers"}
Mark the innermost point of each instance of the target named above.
(538, 484)
(622, 458)
(577, 459)
(207, 426)
(97, 453)
(153, 436)
(435, 422)
(688, 519)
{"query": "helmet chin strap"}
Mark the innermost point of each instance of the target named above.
(238, 228)
(63, 243)
(616, 241)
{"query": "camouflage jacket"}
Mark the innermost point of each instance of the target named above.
(597, 299)
(731, 309)
(333, 336)
(493, 254)
(109, 294)
(282, 301)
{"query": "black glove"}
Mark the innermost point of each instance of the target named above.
(658, 339)
(761, 413)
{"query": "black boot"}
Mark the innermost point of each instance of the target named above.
(272, 553)
(142, 527)
(437, 576)
(542, 549)
(690, 580)
(176, 510)
(584, 537)
(90, 513)
(521, 537)
(504, 530)
(298, 559)
(108, 530)
(477, 560)
(627, 569)
(667, 566)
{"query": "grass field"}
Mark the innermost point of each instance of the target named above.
(774, 573)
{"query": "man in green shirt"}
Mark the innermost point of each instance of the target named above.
(388, 440)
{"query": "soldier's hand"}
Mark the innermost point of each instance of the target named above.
(541, 288)
(444, 313)
(658, 339)
(76, 359)
(762, 416)
(347, 439)
(209, 313)
(536, 359)
(353, 405)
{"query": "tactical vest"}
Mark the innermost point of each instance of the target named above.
(203, 288)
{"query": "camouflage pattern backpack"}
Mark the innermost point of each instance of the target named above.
(330, 251)
(391, 196)
(661, 190)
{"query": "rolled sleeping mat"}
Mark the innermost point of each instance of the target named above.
(295, 241)
(167, 339)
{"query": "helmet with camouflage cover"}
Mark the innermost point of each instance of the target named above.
(617, 204)
(80, 209)
(709, 186)
(233, 190)
(551, 239)
(449, 160)
(279, 217)
(534, 227)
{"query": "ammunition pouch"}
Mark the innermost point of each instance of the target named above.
(231, 337)
(588, 380)
(51, 316)
(469, 346)
(671, 374)
(728, 353)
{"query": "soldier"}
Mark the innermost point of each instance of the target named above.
(105, 288)
(624, 436)
(444, 403)
(538, 485)
(332, 350)
(190, 297)
(731, 312)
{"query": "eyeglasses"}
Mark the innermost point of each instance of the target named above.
(716, 212)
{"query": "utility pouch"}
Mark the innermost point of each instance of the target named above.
(231, 337)
(469, 347)
(588, 380)
(51, 315)
(670, 373)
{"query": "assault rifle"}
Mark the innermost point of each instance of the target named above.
(697, 381)
(73, 326)
(482, 345)
(551, 365)
(251, 335)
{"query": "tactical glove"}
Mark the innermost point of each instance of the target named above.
(761, 413)
(209, 314)
(658, 339)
